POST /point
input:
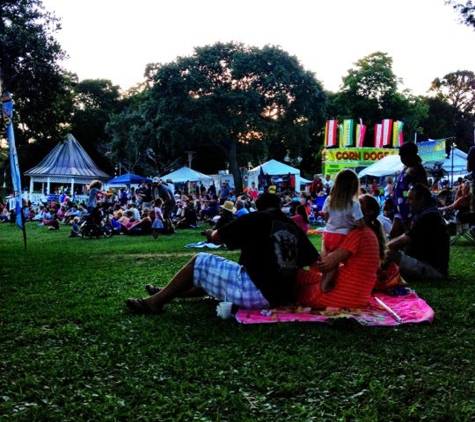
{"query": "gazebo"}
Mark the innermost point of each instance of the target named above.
(67, 164)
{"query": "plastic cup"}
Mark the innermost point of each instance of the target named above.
(224, 309)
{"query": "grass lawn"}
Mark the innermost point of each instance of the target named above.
(71, 350)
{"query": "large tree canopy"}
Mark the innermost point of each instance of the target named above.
(95, 101)
(457, 91)
(370, 91)
(29, 57)
(235, 99)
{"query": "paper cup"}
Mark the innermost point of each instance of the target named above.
(224, 309)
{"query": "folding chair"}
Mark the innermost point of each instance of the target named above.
(465, 227)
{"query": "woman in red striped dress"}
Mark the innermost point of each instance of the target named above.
(357, 259)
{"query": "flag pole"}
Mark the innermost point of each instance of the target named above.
(7, 114)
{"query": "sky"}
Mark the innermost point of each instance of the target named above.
(115, 40)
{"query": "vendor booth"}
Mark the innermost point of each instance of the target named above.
(283, 175)
(187, 176)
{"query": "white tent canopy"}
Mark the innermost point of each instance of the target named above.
(185, 174)
(387, 166)
(456, 164)
(273, 168)
(458, 159)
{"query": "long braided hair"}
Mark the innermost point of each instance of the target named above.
(371, 211)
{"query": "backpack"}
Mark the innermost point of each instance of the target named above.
(284, 248)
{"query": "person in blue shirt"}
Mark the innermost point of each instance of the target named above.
(241, 208)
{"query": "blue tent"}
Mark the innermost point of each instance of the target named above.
(127, 179)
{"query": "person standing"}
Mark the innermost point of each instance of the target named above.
(412, 173)
(224, 193)
(144, 195)
(272, 188)
(471, 177)
(253, 191)
(169, 204)
(316, 186)
(212, 190)
(94, 189)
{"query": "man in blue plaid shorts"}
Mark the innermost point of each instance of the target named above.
(253, 283)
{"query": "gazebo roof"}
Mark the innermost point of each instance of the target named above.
(69, 160)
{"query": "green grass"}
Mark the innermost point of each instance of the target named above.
(71, 351)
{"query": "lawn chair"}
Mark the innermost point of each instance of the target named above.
(464, 227)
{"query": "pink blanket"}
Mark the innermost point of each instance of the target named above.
(382, 310)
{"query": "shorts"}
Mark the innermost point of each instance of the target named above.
(227, 280)
(333, 240)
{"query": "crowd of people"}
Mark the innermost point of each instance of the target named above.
(366, 230)
(155, 208)
(356, 248)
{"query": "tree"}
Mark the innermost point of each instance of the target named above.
(457, 91)
(370, 91)
(95, 101)
(29, 57)
(129, 147)
(466, 11)
(237, 99)
(439, 121)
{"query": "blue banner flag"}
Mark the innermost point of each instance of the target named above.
(7, 112)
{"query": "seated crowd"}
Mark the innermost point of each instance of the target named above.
(356, 259)
(130, 212)
(362, 260)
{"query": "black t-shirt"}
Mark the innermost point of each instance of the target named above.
(251, 234)
(430, 241)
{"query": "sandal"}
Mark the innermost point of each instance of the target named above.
(139, 306)
(151, 289)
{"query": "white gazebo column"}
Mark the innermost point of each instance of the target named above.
(48, 183)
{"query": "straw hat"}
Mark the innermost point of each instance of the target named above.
(228, 206)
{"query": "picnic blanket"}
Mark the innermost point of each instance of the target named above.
(203, 244)
(383, 310)
(315, 231)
